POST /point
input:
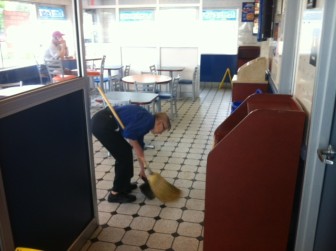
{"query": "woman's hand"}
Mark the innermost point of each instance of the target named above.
(142, 174)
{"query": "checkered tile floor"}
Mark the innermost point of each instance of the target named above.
(180, 156)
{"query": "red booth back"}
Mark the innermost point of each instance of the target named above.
(247, 53)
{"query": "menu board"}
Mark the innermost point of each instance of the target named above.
(248, 12)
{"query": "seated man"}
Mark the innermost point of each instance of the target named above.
(58, 48)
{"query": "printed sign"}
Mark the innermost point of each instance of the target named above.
(248, 12)
(136, 16)
(219, 15)
(51, 13)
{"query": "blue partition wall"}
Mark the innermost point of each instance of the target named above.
(26, 74)
(213, 66)
(31, 74)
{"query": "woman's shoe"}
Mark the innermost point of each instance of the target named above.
(121, 198)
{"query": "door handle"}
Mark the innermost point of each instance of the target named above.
(327, 155)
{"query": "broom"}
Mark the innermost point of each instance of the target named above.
(161, 188)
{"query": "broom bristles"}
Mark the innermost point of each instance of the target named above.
(162, 189)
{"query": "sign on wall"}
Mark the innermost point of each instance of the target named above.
(136, 16)
(248, 12)
(51, 13)
(219, 15)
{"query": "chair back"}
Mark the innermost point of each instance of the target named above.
(127, 70)
(95, 69)
(149, 88)
(195, 74)
(145, 87)
(152, 69)
(174, 86)
(8, 85)
(56, 71)
(170, 96)
(253, 71)
(247, 53)
(102, 69)
(54, 68)
(42, 71)
(191, 82)
(93, 63)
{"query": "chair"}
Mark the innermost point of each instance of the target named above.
(246, 54)
(97, 74)
(127, 70)
(170, 96)
(252, 71)
(116, 84)
(42, 72)
(8, 85)
(56, 71)
(126, 73)
(115, 81)
(191, 82)
(250, 77)
(146, 87)
(153, 70)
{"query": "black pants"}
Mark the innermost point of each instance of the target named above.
(107, 131)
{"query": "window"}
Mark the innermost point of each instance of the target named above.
(220, 30)
(26, 29)
(16, 41)
(178, 26)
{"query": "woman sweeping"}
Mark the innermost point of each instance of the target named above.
(120, 142)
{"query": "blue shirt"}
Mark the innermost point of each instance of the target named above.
(137, 121)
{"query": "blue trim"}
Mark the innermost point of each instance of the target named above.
(213, 66)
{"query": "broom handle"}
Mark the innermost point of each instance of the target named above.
(111, 107)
